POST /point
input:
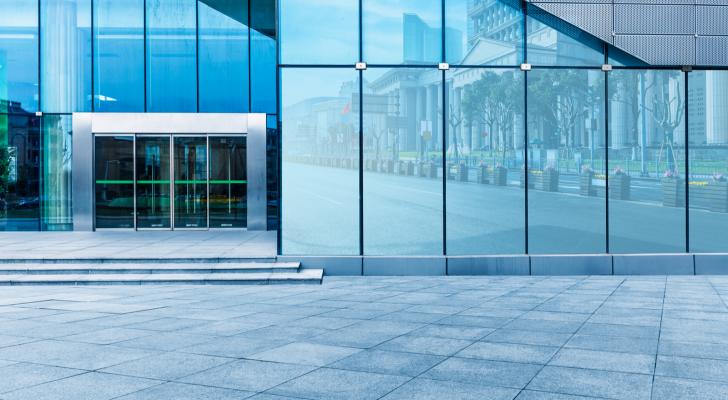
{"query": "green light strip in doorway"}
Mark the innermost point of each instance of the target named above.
(223, 182)
(152, 182)
(190, 182)
(115, 182)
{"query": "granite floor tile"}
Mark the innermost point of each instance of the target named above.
(605, 360)
(666, 388)
(167, 366)
(642, 332)
(479, 322)
(248, 375)
(425, 345)
(328, 383)
(388, 362)
(614, 344)
(520, 353)
(108, 336)
(692, 368)
(483, 372)
(72, 355)
(532, 395)
(528, 337)
(234, 347)
(583, 382)
(166, 341)
(452, 332)
(88, 386)
(21, 375)
(544, 325)
(181, 391)
(305, 354)
(425, 389)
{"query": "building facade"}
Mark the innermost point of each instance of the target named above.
(474, 130)
(538, 136)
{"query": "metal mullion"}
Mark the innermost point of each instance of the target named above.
(444, 166)
(606, 155)
(207, 176)
(92, 57)
(443, 57)
(279, 141)
(687, 173)
(144, 29)
(525, 159)
(171, 182)
(40, 63)
(134, 168)
(197, 51)
(361, 162)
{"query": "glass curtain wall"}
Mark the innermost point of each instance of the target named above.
(118, 64)
(565, 170)
(402, 214)
(66, 61)
(171, 56)
(223, 61)
(19, 173)
(486, 207)
(708, 161)
(57, 178)
(595, 161)
(319, 148)
(646, 169)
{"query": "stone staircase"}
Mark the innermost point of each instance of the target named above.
(169, 272)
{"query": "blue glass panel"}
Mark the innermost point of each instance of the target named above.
(319, 32)
(708, 155)
(223, 46)
(486, 208)
(566, 179)
(18, 56)
(171, 56)
(118, 55)
(402, 31)
(480, 32)
(320, 197)
(402, 212)
(65, 55)
(56, 207)
(646, 168)
(19, 210)
(263, 73)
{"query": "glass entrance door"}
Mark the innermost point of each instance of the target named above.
(114, 186)
(190, 182)
(228, 182)
(154, 209)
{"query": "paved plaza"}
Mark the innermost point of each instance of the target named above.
(530, 338)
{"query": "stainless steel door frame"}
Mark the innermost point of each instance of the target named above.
(207, 149)
(171, 181)
(93, 180)
(86, 125)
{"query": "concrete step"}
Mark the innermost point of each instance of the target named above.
(30, 258)
(306, 276)
(148, 269)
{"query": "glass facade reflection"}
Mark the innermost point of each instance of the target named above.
(484, 158)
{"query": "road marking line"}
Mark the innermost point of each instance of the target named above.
(414, 190)
(319, 196)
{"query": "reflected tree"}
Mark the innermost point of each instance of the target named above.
(479, 103)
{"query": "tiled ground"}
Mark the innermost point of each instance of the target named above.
(530, 338)
(135, 245)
